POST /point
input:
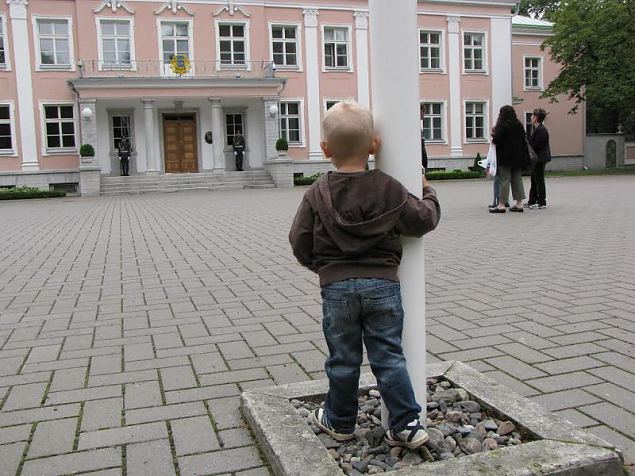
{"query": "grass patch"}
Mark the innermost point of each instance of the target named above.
(625, 170)
(19, 193)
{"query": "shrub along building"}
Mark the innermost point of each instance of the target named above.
(179, 78)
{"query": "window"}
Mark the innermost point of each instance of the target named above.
(475, 120)
(290, 122)
(232, 42)
(430, 49)
(432, 121)
(3, 58)
(54, 42)
(234, 122)
(175, 40)
(331, 103)
(60, 127)
(116, 44)
(336, 47)
(284, 45)
(474, 51)
(121, 128)
(533, 73)
(6, 136)
(529, 127)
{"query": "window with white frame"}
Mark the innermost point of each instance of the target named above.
(59, 127)
(232, 38)
(121, 129)
(474, 51)
(233, 124)
(3, 58)
(330, 103)
(475, 120)
(430, 49)
(529, 126)
(432, 121)
(175, 39)
(116, 43)
(55, 42)
(290, 122)
(6, 136)
(533, 73)
(284, 44)
(336, 47)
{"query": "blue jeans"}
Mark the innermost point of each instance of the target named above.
(367, 310)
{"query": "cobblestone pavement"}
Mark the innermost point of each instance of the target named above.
(130, 325)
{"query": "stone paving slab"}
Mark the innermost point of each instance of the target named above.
(135, 321)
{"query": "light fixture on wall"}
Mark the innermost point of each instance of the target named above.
(273, 110)
(87, 113)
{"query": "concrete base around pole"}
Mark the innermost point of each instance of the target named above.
(292, 448)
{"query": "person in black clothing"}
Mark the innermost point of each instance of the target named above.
(511, 157)
(424, 154)
(239, 149)
(539, 140)
(124, 156)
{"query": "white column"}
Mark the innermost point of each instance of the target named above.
(454, 71)
(395, 89)
(217, 134)
(361, 43)
(89, 128)
(314, 106)
(501, 68)
(26, 110)
(272, 133)
(151, 160)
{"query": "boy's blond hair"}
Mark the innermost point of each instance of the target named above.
(348, 130)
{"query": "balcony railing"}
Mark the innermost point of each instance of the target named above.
(184, 69)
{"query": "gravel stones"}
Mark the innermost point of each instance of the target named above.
(456, 425)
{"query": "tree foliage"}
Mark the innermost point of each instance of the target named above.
(594, 43)
(543, 9)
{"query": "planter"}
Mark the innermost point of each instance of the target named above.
(282, 154)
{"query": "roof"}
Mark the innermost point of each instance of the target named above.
(521, 21)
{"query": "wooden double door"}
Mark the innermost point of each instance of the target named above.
(179, 143)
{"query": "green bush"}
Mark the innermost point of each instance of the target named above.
(87, 150)
(456, 174)
(306, 180)
(29, 192)
(476, 167)
(282, 144)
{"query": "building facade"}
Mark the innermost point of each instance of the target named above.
(180, 77)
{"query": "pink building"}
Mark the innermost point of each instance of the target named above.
(180, 77)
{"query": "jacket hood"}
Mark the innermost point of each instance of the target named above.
(368, 208)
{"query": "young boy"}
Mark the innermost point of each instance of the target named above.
(347, 230)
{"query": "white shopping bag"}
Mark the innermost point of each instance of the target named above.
(490, 161)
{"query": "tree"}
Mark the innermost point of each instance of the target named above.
(594, 42)
(543, 9)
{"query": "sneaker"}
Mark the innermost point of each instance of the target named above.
(533, 206)
(319, 419)
(412, 436)
(542, 207)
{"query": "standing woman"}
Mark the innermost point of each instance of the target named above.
(540, 142)
(511, 154)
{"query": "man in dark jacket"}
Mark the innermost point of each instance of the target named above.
(124, 156)
(239, 149)
(347, 231)
(539, 140)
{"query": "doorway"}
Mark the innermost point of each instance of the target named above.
(179, 143)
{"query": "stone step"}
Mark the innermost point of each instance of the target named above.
(177, 182)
